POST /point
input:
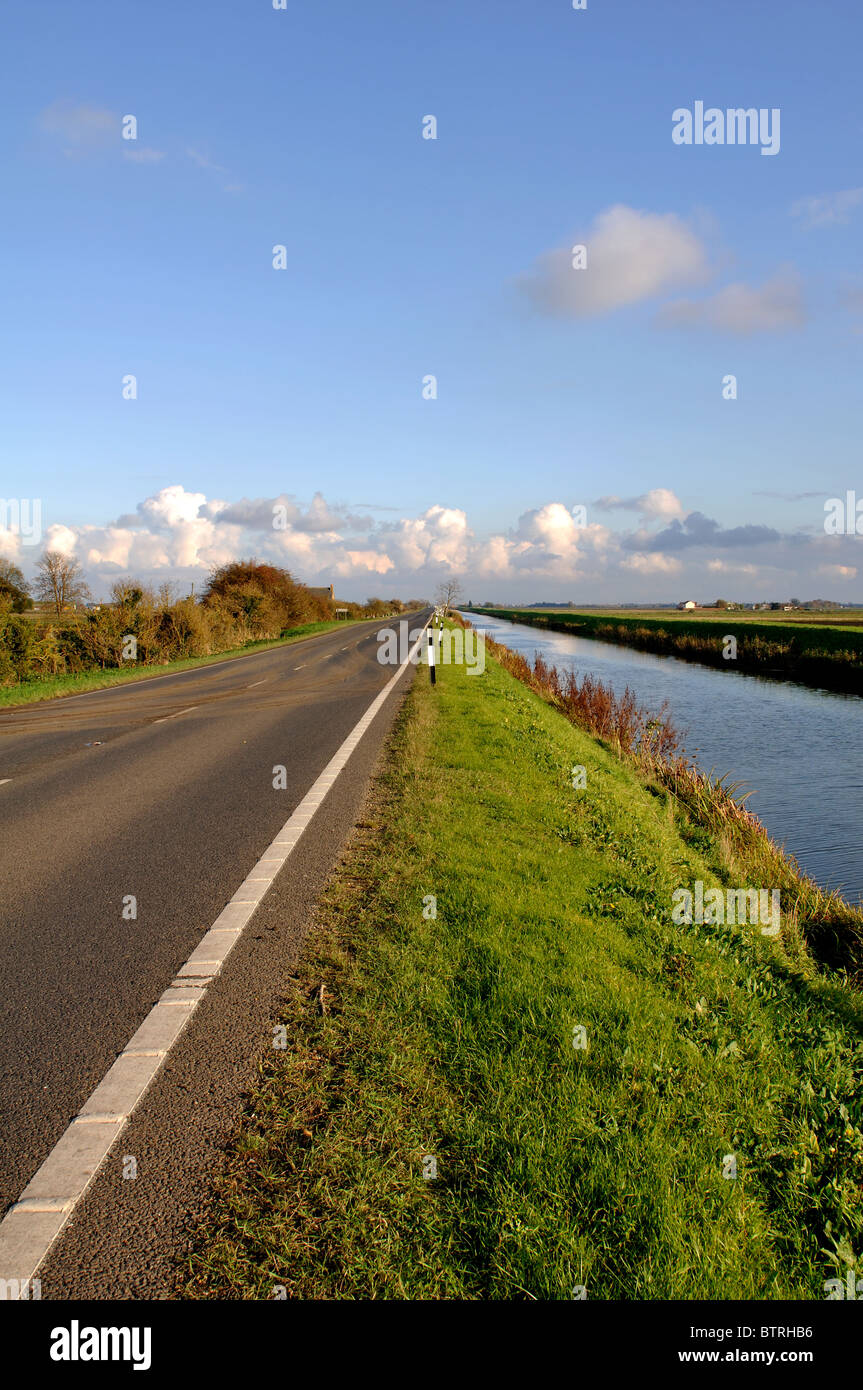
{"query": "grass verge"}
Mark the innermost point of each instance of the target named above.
(825, 654)
(54, 687)
(412, 1036)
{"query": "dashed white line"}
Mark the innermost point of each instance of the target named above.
(4, 780)
(254, 683)
(173, 675)
(32, 1225)
(176, 714)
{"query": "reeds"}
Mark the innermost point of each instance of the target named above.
(831, 928)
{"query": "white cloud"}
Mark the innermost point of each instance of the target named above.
(827, 209)
(838, 571)
(654, 563)
(63, 539)
(723, 567)
(10, 544)
(179, 534)
(365, 559)
(659, 502)
(773, 307)
(440, 537)
(631, 256)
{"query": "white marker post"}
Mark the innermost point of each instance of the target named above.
(431, 652)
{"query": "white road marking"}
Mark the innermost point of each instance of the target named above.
(32, 1225)
(299, 668)
(174, 675)
(176, 714)
(4, 780)
(254, 683)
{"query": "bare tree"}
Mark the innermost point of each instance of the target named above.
(448, 594)
(60, 580)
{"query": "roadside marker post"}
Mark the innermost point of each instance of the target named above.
(431, 656)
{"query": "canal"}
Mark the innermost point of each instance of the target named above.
(799, 749)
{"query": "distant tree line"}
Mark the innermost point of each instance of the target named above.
(243, 602)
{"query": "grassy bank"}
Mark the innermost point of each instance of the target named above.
(822, 653)
(52, 687)
(414, 1037)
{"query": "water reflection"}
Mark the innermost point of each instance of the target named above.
(799, 748)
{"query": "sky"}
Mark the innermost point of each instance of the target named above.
(423, 384)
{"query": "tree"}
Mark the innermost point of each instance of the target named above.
(127, 593)
(721, 603)
(60, 580)
(376, 607)
(448, 594)
(263, 598)
(14, 586)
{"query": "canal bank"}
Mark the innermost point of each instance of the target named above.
(826, 655)
(510, 1073)
(795, 747)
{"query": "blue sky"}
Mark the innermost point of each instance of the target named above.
(408, 257)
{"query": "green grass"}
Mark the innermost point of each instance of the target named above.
(824, 653)
(839, 617)
(53, 687)
(452, 1037)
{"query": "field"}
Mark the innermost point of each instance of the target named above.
(509, 1075)
(843, 617)
(823, 653)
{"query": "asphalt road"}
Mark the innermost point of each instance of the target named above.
(163, 790)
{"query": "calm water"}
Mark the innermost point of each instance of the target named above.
(801, 750)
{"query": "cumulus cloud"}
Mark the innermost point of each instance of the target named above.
(838, 571)
(549, 541)
(774, 307)
(179, 534)
(10, 544)
(440, 537)
(631, 256)
(699, 530)
(655, 563)
(659, 502)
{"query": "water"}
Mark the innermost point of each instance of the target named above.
(801, 750)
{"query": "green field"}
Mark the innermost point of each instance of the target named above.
(415, 1035)
(843, 617)
(827, 653)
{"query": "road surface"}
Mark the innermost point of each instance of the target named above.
(161, 791)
